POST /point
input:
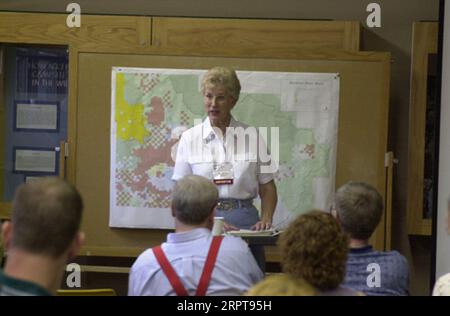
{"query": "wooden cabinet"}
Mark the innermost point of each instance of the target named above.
(422, 128)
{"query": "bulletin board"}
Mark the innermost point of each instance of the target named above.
(362, 132)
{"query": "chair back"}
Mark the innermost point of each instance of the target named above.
(87, 292)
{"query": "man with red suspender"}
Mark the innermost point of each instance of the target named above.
(192, 261)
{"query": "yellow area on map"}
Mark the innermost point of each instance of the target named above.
(130, 118)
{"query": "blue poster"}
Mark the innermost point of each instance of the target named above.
(41, 72)
(36, 85)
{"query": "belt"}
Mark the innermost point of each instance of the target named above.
(230, 204)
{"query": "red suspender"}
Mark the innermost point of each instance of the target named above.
(169, 272)
(209, 266)
(206, 274)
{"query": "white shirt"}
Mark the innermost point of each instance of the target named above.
(201, 146)
(235, 270)
(442, 286)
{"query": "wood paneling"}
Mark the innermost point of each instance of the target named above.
(2, 122)
(72, 115)
(389, 162)
(424, 43)
(96, 32)
(5, 210)
(184, 36)
(249, 37)
(272, 45)
(363, 117)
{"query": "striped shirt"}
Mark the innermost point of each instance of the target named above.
(377, 273)
(14, 287)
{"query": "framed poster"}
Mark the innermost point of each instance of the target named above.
(35, 160)
(35, 116)
(31, 179)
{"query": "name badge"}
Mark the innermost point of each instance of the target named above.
(223, 173)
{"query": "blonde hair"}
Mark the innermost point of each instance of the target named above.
(315, 249)
(222, 76)
(282, 285)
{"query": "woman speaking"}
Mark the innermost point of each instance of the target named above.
(209, 149)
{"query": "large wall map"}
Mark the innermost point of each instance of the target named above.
(152, 107)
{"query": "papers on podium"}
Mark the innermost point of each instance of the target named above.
(253, 233)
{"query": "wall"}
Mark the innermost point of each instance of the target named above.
(443, 242)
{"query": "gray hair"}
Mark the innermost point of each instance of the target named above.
(222, 76)
(193, 199)
(359, 207)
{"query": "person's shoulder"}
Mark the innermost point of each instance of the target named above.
(282, 285)
(392, 256)
(12, 286)
(342, 291)
(445, 278)
(397, 256)
(192, 131)
(144, 259)
(234, 243)
(237, 123)
(393, 261)
(442, 286)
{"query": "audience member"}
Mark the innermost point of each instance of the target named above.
(442, 285)
(358, 208)
(314, 249)
(41, 237)
(192, 261)
(282, 285)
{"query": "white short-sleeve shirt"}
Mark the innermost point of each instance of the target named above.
(201, 146)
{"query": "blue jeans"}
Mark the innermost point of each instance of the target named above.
(244, 218)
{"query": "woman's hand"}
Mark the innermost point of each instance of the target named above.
(269, 197)
(227, 227)
(262, 225)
